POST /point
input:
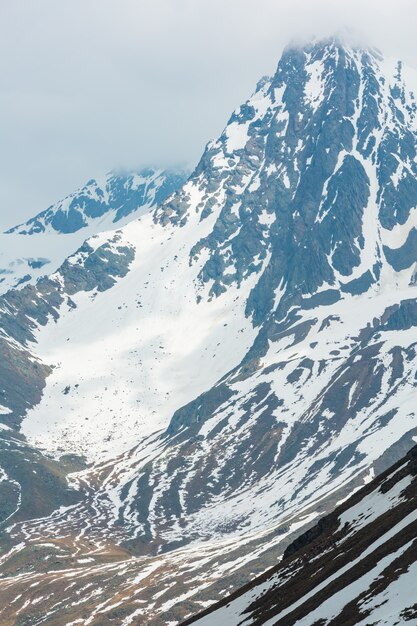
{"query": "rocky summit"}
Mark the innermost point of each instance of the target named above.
(185, 396)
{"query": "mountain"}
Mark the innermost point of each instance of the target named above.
(103, 204)
(356, 566)
(217, 375)
(114, 196)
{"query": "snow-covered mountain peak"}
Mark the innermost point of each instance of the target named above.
(39, 246)
(279, 180)
(108, 199)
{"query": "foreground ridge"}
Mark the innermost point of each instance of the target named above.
(358, 565)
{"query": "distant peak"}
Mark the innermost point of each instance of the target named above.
(119, 195)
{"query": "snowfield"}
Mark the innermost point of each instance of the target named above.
(132, 355)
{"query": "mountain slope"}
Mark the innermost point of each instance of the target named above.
(101, 205)
(357, 566)
(232, 364)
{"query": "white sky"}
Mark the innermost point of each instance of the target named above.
(89, 85)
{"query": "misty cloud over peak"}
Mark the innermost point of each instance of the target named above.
(93, 85)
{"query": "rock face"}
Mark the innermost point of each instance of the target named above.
(234, 363)
(101, 205)
(310, 174)
(356, 566)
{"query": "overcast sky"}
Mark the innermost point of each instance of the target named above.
(91, 85)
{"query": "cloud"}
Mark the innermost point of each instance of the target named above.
(88, 85)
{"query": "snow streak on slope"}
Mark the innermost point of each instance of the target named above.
(356, 567)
